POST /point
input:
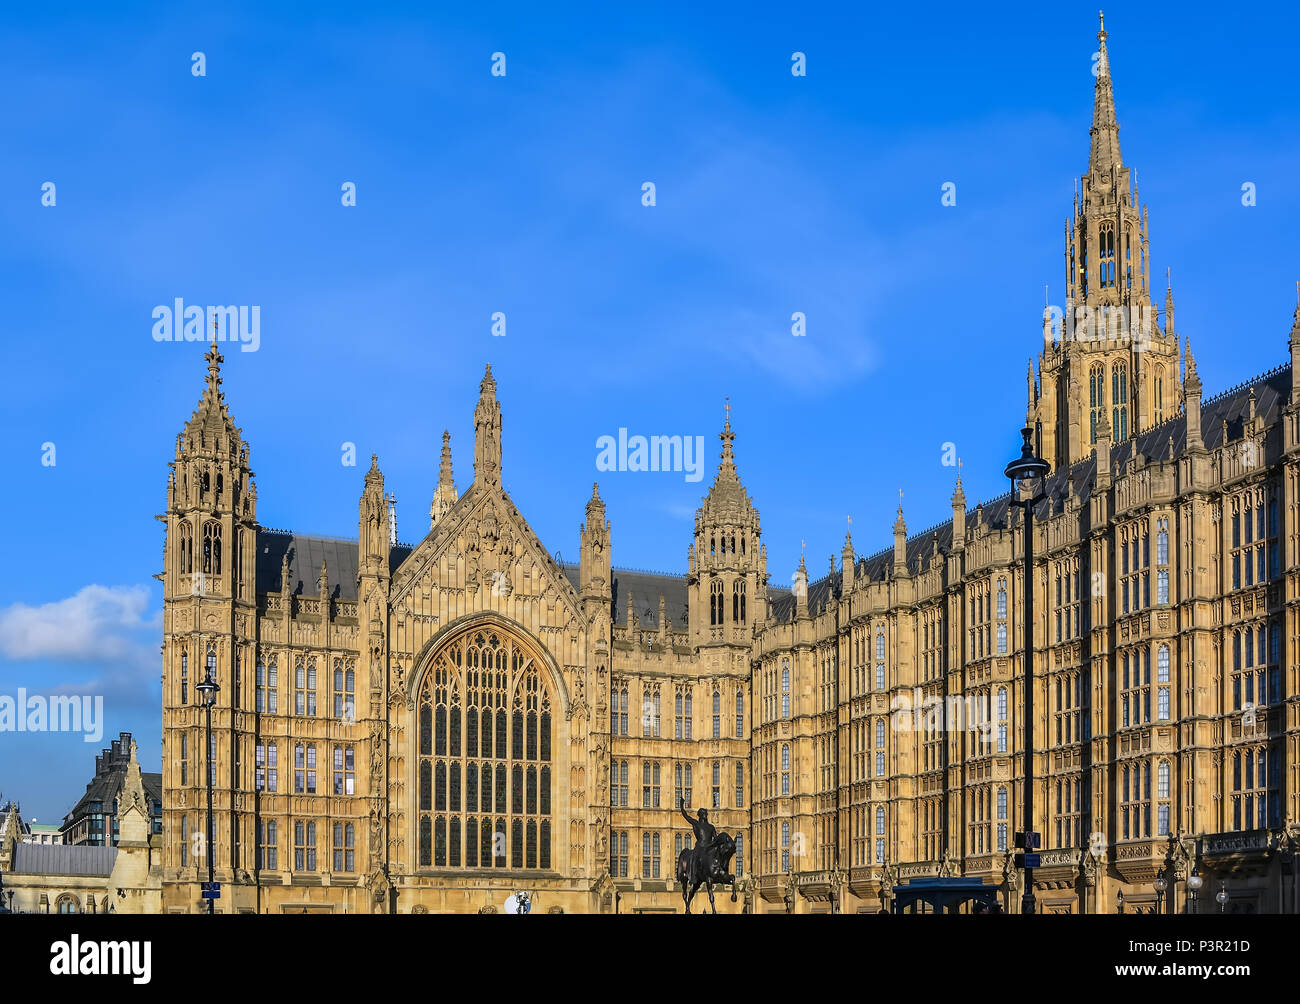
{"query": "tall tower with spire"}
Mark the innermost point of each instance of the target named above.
(210, 601)
(1106, 354)
(727, 564)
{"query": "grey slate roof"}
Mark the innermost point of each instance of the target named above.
(305, 557)
(1272, 390)
(63, 859)
(645, 588)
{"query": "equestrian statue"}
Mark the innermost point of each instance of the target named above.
(705, 863)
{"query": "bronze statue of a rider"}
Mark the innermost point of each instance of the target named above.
(707, 862)
(705, 832)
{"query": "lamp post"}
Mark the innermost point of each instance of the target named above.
(1221, 897)
(1194, 883)
(208, 689)
(1025, 469)
(1160, 891)
(1119, 900)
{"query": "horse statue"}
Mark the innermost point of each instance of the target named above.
(707, 862)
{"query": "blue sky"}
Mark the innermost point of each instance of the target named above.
(522, 194)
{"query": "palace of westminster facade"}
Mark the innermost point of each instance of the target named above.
(430, 728)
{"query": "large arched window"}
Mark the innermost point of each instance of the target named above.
(716, 600)
(485, 734)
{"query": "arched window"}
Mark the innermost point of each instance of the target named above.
(1002, 704)
(785, 688)
(492, 775)
(740, 712)
(1162, 664)
(1002, 803)
(717, 715)
(1096, 398)
(1119, 399)
(618, 710)
(880, 733)
(738, 601)
(67, 903)
(880, 820)
(715, 602)
(212, 547)
(1106, 240)
(185, 549)
(1162, 779)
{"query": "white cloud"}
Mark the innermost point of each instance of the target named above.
(98, 623)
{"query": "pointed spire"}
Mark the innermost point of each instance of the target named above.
(1192, 402)
(727, 496)
(211, 422)
(958, 512)
(848, 561)
(1294, 346)
(1033, 393)
(1105, 153)
(801, 585)
(445, 495)
(595, 506)
(900, 539)
(1169, 302)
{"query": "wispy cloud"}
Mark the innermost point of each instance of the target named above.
(97, 623)
(101, 640)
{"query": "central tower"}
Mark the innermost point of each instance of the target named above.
(1105, 354)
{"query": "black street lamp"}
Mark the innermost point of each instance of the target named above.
(1221, 897)
(1160, 892)
(1024, 470)
(208, 689)
(1119, 901)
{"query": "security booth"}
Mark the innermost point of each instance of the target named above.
(946, 895)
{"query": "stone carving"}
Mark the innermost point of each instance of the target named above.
(491, 552)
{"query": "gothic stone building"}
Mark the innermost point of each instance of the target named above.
(429, 728)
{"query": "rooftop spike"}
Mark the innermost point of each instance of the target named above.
(1105, 153)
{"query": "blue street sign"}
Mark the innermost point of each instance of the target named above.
(211, 890)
